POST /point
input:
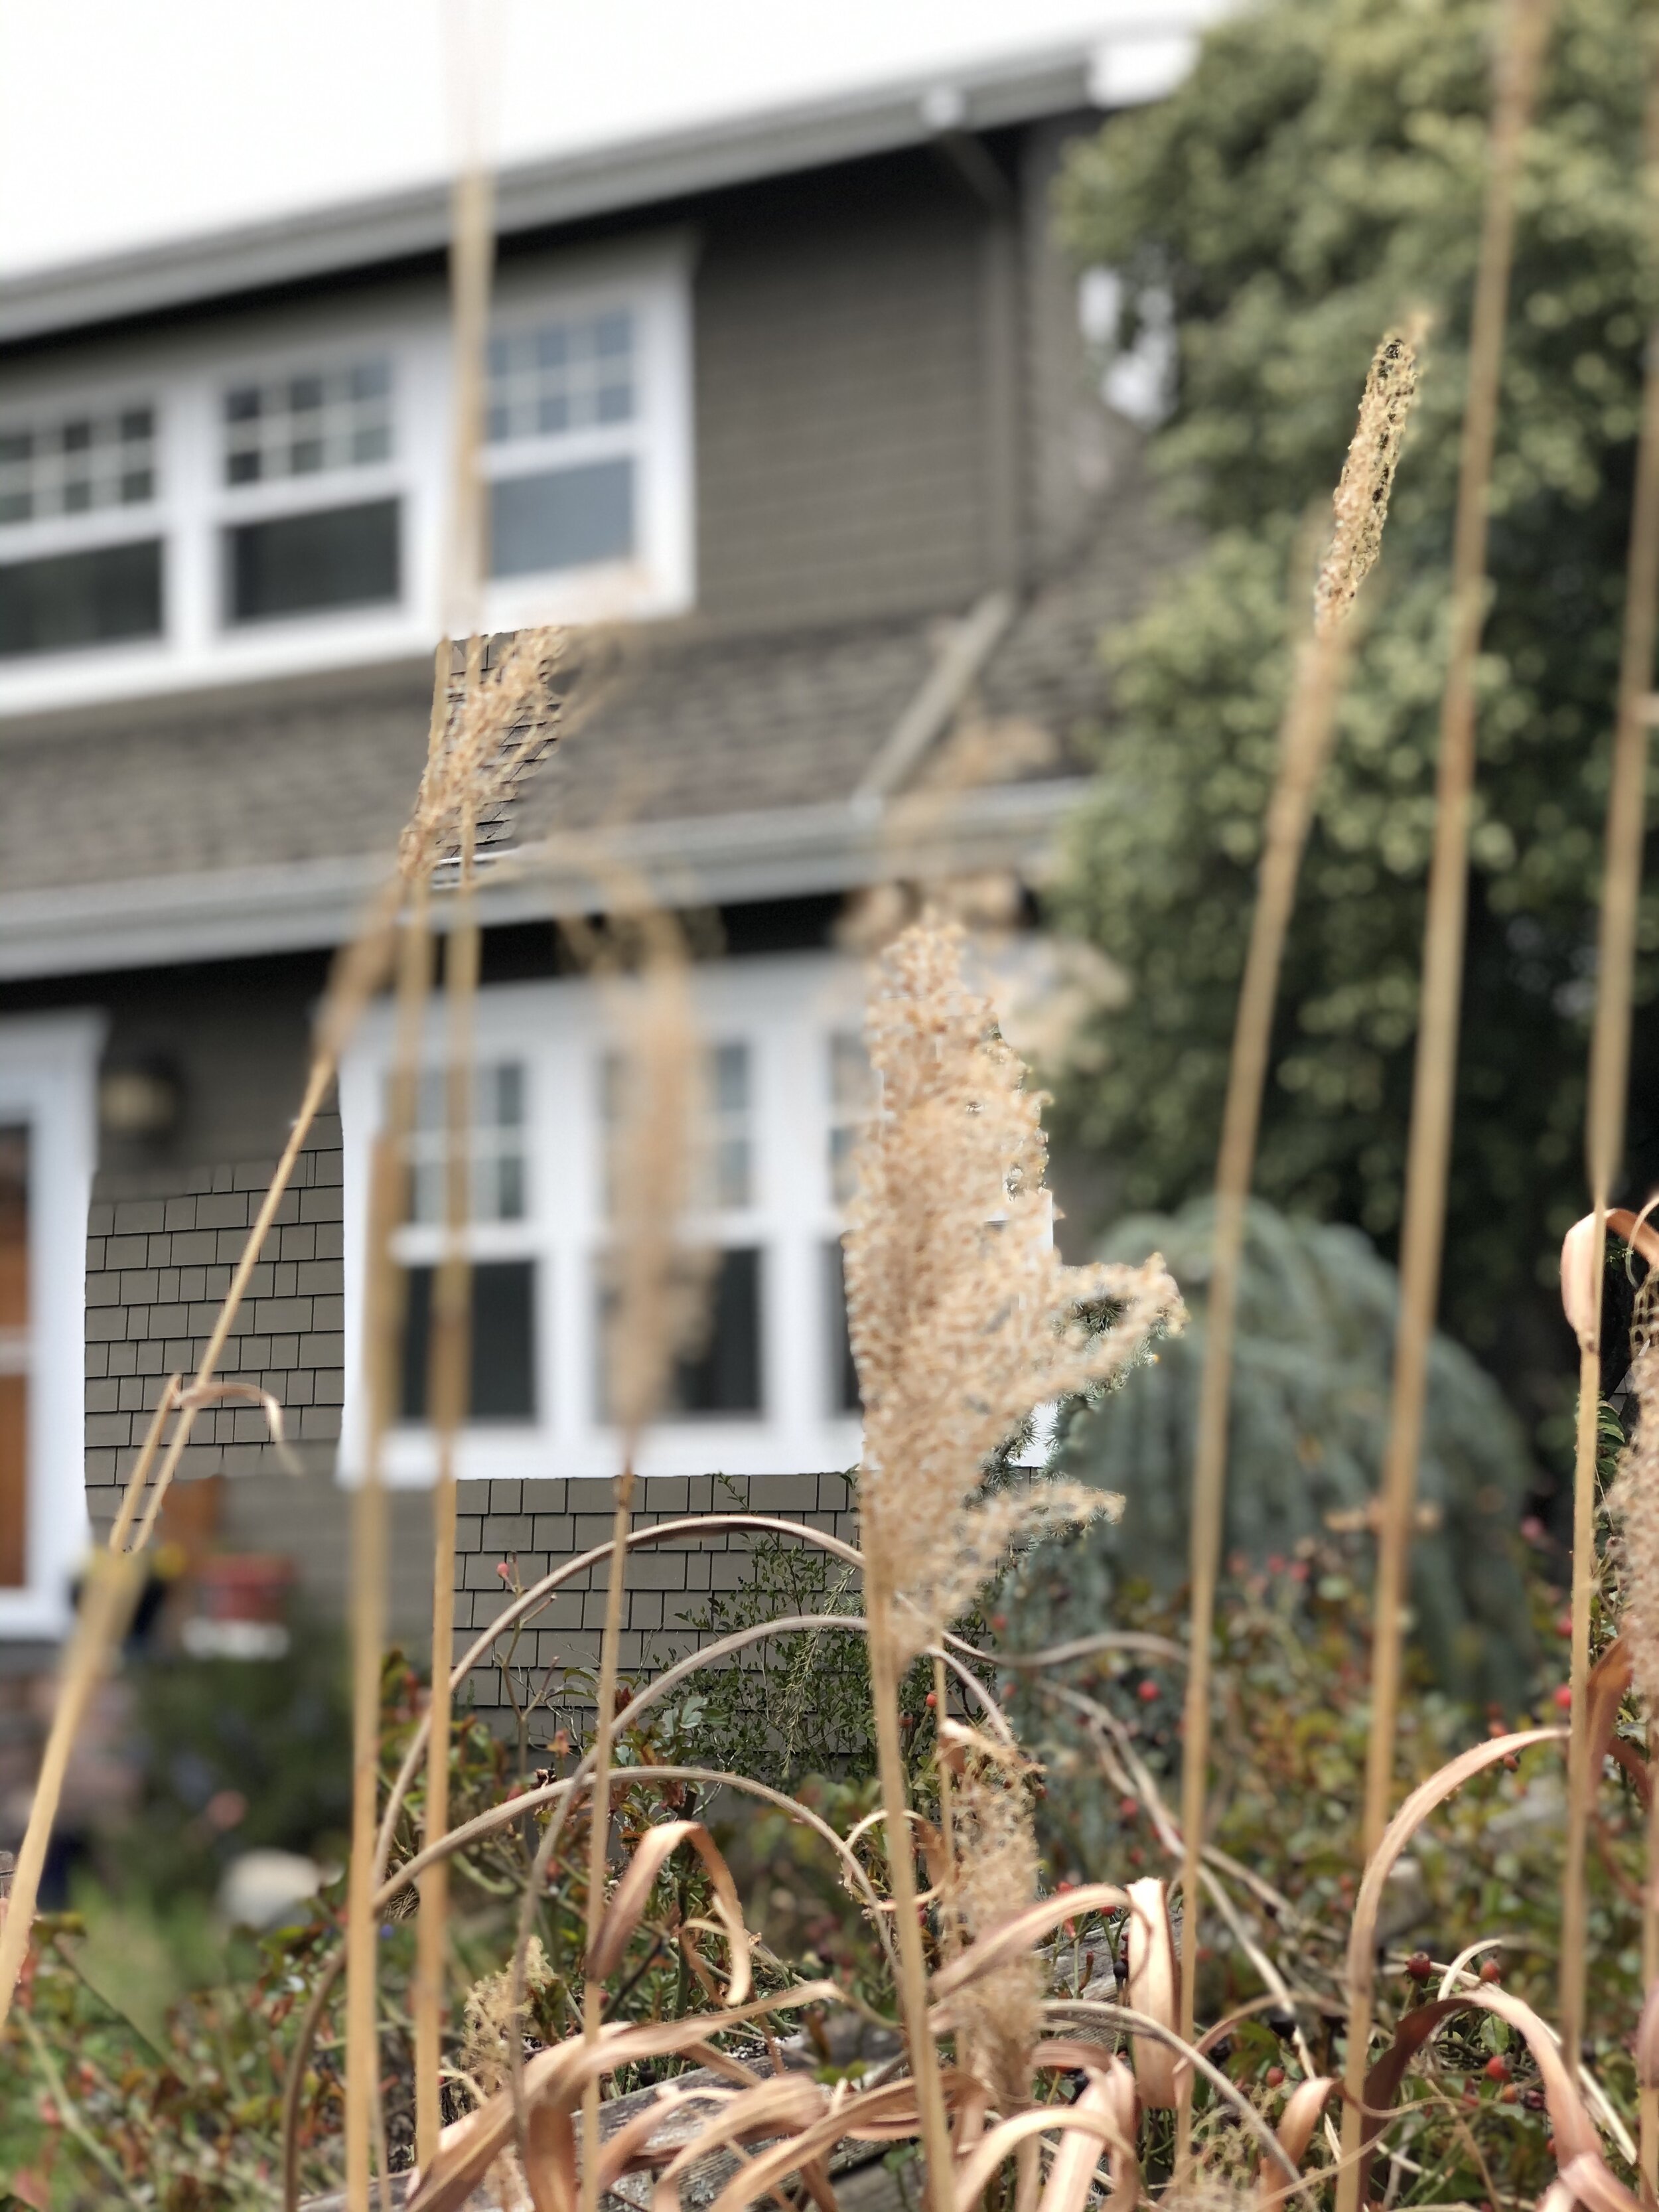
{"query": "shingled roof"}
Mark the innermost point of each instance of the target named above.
(728, 767)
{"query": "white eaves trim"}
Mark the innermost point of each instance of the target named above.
(598, 180)
(788, 852)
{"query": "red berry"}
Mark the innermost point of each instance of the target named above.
(932, 1700)
(1128, 1809)
(999, 1621)
(1564, 1697)
(1563, 1625)
(1511, 1762)
(1497, 2068)
(1274, 2077)
(1490, 1971)
(1509, 2094)
(1147, 1691)
(1421, 1967)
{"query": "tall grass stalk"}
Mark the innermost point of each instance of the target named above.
(1609, 1079)
(471, 259)
(1524, 27)
(1361, 503)
(384, 1301)
(451, 1341)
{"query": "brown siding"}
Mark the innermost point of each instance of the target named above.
(840, 458)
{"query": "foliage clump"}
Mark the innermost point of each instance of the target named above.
(1307, 1429)
(1317, 176)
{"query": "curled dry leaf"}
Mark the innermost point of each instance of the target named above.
(1295, 2128)
(1578, 1284)
(554, 2078)
(1574, 2130)
(1109, 2091)
(1154, 1989)
(884, 2115)
(1017, 1937)
(1441, 1784)
(1099, 2124)
(656, 1847)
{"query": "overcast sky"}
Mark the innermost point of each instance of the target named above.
(123, 122)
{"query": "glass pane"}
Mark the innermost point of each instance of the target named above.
(725, 1376)
(842, 1373)
(305, 563)
(73, 466)
(731, 1077)
(13, 1354)
(503, 1366)
(70, 599)
(321, 419)
(562, 518)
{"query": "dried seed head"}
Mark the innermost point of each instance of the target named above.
(657, 1287)
(962, 1317)
(492, 724)
(994, 1875)
(1361, 500)
(1633, 1500)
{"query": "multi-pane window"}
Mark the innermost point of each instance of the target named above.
(721, 1373)
(849, 1093)
(560, 376)
(561, 417)
(278, 432)
(308, 424)
(848, 1084)
(77, 464)
(94, 462)
(494, 1144)
(501, 1385)
(15, 1347)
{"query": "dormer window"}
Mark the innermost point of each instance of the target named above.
(80, 563)
(562, 429)
(309, 424)
(267, 494)
(281, 436)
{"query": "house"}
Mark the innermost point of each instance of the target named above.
(804, 402)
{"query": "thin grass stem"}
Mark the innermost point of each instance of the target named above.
(1524, 27)
(1609, 1080)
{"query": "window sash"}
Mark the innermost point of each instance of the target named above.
(773, 1005)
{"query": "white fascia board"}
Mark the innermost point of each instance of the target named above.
(597, 181)
(794, 852)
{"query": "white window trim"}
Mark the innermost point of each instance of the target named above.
(185, 376)
(786, 1007)
(48, 1079)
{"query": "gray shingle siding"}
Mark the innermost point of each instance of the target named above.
(537, 1524)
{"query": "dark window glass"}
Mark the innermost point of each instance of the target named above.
(503, 1365)
(298, 564)
(724, 1375)
(842, 1373)
(69, 599)
(562, 518)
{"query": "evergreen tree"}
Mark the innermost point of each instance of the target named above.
(1317, 177)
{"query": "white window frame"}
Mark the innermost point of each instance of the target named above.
(785, 1007)
(184, 378)
(48, 1081)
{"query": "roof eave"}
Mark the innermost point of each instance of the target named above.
(599, 180)
(724, 859)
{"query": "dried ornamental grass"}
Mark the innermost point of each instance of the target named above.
(994, 1874)
(1633, 1500)
(963, 1315)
